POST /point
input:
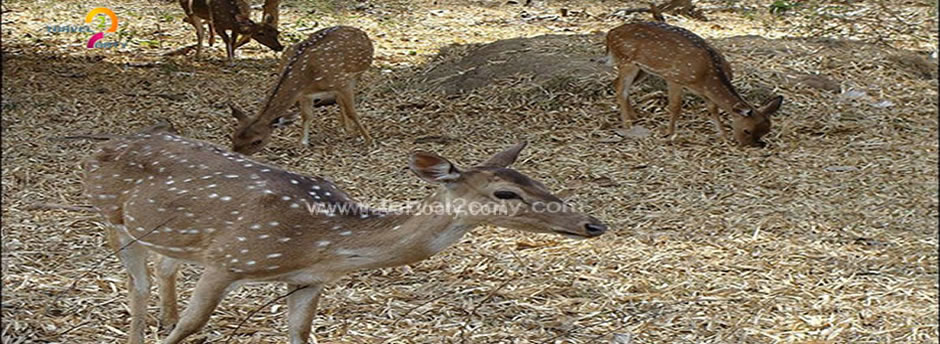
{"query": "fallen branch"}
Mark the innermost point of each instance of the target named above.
(170, 96)
(56, 206)
(96, 137)
(180, 51)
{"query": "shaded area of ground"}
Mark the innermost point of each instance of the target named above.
(829, 234)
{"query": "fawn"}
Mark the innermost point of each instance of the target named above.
(231, 15)
(321, 70)
(684, 60)
(243, 220)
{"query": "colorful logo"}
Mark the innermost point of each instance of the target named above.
(91, 16)
(102, 14)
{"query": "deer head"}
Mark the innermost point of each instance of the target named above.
(751, 124)
(251, 134)
(263, 33)
(494, 194)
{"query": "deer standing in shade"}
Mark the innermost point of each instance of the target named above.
(232, 16)
(321, 70)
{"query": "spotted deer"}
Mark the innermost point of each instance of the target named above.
(232, 16)
(686, 61)
(321, 70)
(243, 220)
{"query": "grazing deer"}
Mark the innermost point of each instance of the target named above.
(684, 60)
(321, 70)
(243, 220)
(228, 15)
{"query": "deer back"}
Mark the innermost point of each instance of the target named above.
(674, 54)
(229, 14)
(328, 60)
(682, 57)
(194, 201)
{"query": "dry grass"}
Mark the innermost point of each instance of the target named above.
(829, 235)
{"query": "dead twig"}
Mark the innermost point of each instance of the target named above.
(412, 309)
(56, 206)
(463, 336)
(180, 51)
(170, 96)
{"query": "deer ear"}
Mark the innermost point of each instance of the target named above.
(433, 168)
(505, 158)
(742, 110)
(771, 106)
(237, 113)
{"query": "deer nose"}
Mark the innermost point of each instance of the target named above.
(595, 229)
(761, 144)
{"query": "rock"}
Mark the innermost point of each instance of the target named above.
(635, 132)
(621, 338)
(820, 82)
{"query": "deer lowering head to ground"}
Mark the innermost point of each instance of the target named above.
(232, 16)
(684, 60)
(321, 70)
(243, 220)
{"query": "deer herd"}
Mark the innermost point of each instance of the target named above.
(243, 220)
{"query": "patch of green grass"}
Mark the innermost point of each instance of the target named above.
(781, 6)
(167, 18)
(149, 43)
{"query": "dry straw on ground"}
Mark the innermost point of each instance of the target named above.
(829, 235)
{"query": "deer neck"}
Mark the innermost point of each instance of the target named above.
(282, 96)
(412, 236)
(724, 94)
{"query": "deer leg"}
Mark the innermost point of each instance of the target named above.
(200, 34)
(301, 308)
(211, 33)
(675, 105)
(197, 25)
(627, 73)
(210, 289)
(230, 45)
(347, 124)
(346, 100)
(306, 112)
(343, 116)
(230, 52)
(166, 283)
(134, 258)
(713, 112)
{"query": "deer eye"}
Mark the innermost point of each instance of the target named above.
(255, 142)
(506, 195)
(747, 132)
